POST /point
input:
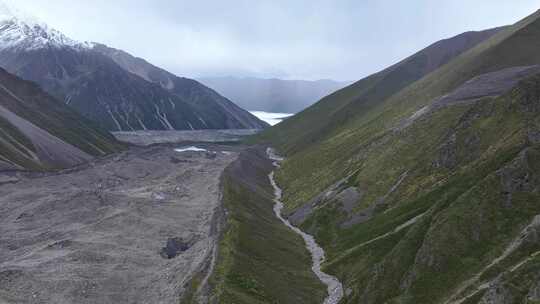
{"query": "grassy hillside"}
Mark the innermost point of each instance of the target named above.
(260, 259)
(472, 189)
(417, 203)
(365, 122)
(319, 121)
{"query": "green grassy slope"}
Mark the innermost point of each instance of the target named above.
(319, 121)
(260, 259)
(445, 204)
(334, 151)
(28, 101)
(471, 212)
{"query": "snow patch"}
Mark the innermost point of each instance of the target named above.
(270, 117)
(190, 149)
(162, 117)
(142, 124)
(114, 119)
(203, 121)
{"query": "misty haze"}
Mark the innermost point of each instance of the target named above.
(250, 152)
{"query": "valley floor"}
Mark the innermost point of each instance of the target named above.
(146, 138)
(136, 227)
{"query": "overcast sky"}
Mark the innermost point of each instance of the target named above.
(300, 39)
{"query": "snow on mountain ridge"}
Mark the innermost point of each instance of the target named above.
(10, 12)
(21, 30)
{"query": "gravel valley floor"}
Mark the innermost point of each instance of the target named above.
(131, 228)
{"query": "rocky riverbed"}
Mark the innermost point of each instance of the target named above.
(335, 288)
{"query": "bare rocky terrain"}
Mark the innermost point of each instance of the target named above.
(130, 228)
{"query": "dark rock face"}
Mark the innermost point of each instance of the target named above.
(114, 89)
(174, 247)
(534, 294)
(533, 135)
(447, 154)
(349, 198)
(517, 177)
(217, 108)
(215, 111)
(528, 95)
(341, 195)
(118, 100)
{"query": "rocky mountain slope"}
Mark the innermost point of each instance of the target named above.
(422, 181)
(83, 74)
(39, 132)
(218, 111)
(273, 95)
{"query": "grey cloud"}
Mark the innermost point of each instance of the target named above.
(338, 39)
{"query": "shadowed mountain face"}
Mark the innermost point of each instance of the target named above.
(214, 110)
(110, 87)
(273, 95)
(39, 132)
(422, 182)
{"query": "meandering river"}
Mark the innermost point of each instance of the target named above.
(335, 288)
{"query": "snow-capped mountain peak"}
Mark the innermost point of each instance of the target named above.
(21, 30)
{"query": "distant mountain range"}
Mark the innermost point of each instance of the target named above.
(110, 87)
(273, 95)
